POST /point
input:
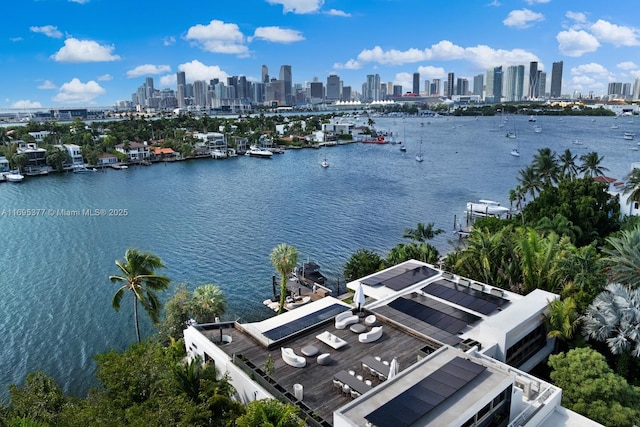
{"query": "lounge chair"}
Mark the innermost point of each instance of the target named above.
(345, 319)
(292, 359)
(373, 335)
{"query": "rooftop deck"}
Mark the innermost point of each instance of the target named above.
(319, 393)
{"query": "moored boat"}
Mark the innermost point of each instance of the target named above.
(309, 273)
(255, 151)
(13, 177)
(486, 208)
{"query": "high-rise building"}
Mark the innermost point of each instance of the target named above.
(397, 90)
(450, 83)
(346, 93)
(427, 87)
(478, 84)
(556, 80)
(493, 90)
(316, 91)
(181, 88)
(514, 83)
(534, 86)
(265, 74)
(181, 78)
(371, 89)
(200, 93)
(333, 87)
(542, 84)
(285, 76)
(462, 86)
(435, 90)
(416, 83)
(636, 89)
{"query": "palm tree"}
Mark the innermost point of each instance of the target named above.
(632, 187)
(284, 259)
(269, 413)
(540, 258)
(623, 257)
(208, 302)
(591, 165)
(422, 232)
(529, 180)
(545, 165)
(614, 318)
(568, 165)
(139, 277)
(562, 320)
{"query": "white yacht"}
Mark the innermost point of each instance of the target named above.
(13, 177)
(255, 151)
(486, 208)
(324, 163)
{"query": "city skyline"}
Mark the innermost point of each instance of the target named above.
(56, 53)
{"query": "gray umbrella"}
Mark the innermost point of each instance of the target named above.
(358, 297)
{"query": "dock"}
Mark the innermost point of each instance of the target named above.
(297, 292)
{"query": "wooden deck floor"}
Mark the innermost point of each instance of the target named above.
(319, 393)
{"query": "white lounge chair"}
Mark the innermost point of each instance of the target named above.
(345, 319)
(373, 335)
(292, 359)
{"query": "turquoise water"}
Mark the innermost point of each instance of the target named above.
(217, 221)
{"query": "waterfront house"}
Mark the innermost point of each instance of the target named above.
(4, 164)
(462, 350)
(163, 154)
(107, 159)
(37, 158)
(75, 153)
(40, 135)
(210, 143)
(135, 151)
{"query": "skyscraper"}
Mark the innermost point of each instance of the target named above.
(493, 91)
(514, 83)
(265, 74)
(462, 86)
(534, 87)
(285, 76)
(478, 84)
(542, 84)
(333, 87)
(416, 83)
(181, 88)
(450, 78)
(436, 87)
(556, 80)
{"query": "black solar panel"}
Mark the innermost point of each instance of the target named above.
(309, 320)
(415, 402)
(481, 302)
(440, 315)
(401, 277)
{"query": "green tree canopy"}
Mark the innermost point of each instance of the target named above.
(284, 259)
(361, 263)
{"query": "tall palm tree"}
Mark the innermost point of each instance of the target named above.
(545, 165)
(632, 187)
(422, 232)
(591, 164)
(284, 259)
(540, 258)
(623, 257)
(208, 302)
(563, 319)
(139, 277)
(529, 180)
(614, 318)
(568, 165)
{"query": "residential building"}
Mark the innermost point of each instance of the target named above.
(542, 84)
(135, 151)
(462, 349)
(427, 87)
(450, 87)
(181, 79)
(534, 86)
(211, 143)
(333, 87)
(107, 159)
(286, 77)
(37, 158)
(4, 164)
(493, 92)
(462, 87)
(556, 80)
(316, 92)
(435, 88)
(478, 85)
(416, 84)
(636, 89)
(75, 153)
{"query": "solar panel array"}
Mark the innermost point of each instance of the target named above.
(477, 301)
(432, 318)
(401, 277)
(305, 322)
(415, 402)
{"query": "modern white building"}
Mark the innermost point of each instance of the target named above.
(462, 350)
(135, 151)
(75, 153)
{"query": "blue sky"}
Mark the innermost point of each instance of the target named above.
(96, 52)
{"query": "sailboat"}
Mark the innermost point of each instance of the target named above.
(419, 155)
(403, 148)
(324, 163)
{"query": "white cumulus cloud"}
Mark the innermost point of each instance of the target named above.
(147, 69)
(105, 78)
(336, 12)
(277, 35)
(523, 18)
(615, 34)
(577, 16)
(218, 37)
(627, 65)
(576, 43)
(481, 56)
(47, 84)
(299, 7)
(195, 70)
(26, 104)
(47, 30)
(75, 50)
(76, 92)
(429, 72)
(351, 64)
(592, 68)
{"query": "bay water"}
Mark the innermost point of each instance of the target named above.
(216, 221)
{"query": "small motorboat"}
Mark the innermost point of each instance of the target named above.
(324, 163)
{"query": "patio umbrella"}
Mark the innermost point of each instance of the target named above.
(358, 297)
(393, 368)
